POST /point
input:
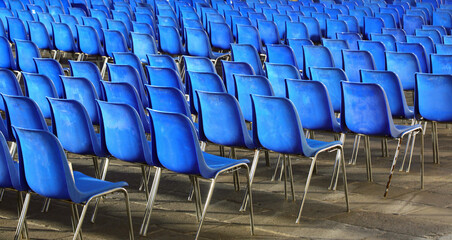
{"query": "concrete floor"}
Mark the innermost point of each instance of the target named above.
(407, 212)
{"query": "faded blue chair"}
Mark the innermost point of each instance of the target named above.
(250, 35)
(405, 65)
(398, 33)
(281, 20)
(37, 147)
(71, 21)
(441, 64)
(198, 44)
(38, 87)
(128, 74)
(297, 48)
(114, 42)
(164, 77)
(40, 36)
(276, 118)
(120, 27)
(203, 81)
(431, 103)
(296, 30)
(442, 30)
(221, 35)
(90, 71)
(53, 70)
(277, 73)
(354, 61)
(411, 23)
(334, 26)
(444, 49)
(161, 60)
(372, 25)
(351, 38)
(247, 53)
(9, 85)
(331, 78)
(16, 29)
(418, 50)
(352, 22)
(321, 18)
(7, 60)
(64, 39)
(315, 34)
(425, 41)
(268, 32)
(25, 52)
(239, 20)
(246, 85)
(230, 70)
(388, 19)
(83, 91)
(282, 54)
(96, 24)
(336, 46)
(365, 111)
(195, 64)
(434, 34)
(145, 28)
(128, 58)
(168, 99)
(377, 49)
(388, 40)
(186, 157)
(89, 42)
(316, 56)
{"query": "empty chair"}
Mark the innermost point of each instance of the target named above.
(425, 41)
(411, 23)
(83, 91)
(388, 40)
(247, 53)
(121, 27)
(239, 20)
(128, 74)
(7, 60)
(143, 28)
(171, 43)
(114, 42)
(405, 65)
(71, 21)
(441, 64)
(52, 69)
(90, 71)
(336, 46)
(124, 17)
(296, 30)
(434, 34)
(331, 78)
(283, 54)
(442, 30)
(313, 26)
(297, 47)
(4, 13)
(198, 45)
(268, 32)
(165, 77)
(96, 24)
(246, 85)
(281, 21)
(160, 60)
(64, 40)
(89, 41)
(131, 59)
(40, 36)
(230, 69)
(278, 73)
(372, 25)
(9, 85)
(25, 52)
(168, 99)
(444, 49)
(255, 17)
(143, 44)
(16, 29)
(443, 19)
(351, 38)
(38, 87)
(399, 34)
(377, 49)
(203, 81)
(356, 60)
(388, 19)
(316, 56)
(334, 26)
(102, 16)
(352, 22)
(250, 35)
(221, 35)
(419, 51)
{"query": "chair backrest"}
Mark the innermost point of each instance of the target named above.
(16, 29)
(283, 54)
(164, 77)
(425, 41)
(23, 112)
(297, 48)
(249, 35)
(230, 69)
(90, 71)
(377, 49)
(52, 69)
(313, 104)
(9, 85)
(281, 20)
(354, 61)
(38, 87)
(277, 73)
(315, 34)
(128, 58)
(247, 53)
(388, 40)
(351, 38)
(7, 168)
(161, 60)
(221, 35)
(246, 85)
(399, 34)
(203, 81)
(316, 56)
(388, 19)
(432, 97)
(352, 22)
(7, 59)
(82, 90)
(392, 86)
(434, 34)
(25, 52)
(143, 28)
(71, 21)
(419, 51)
(114, 42)
(171, 42)
(441, 64)
(64, 38)
(405, 65)
(444, 49)
(365, 109)
(124, 92)
(168, 99)
(268, 32)
(124, 138)
(198, 43)
(411, 23)
(96, 24)
(296, 30)
(336, 46)
(221, 120)
(372, 25)
(89, 41)
(40, 36)
(331, 78)
(334, 26)
(128, 74)
(72, 125)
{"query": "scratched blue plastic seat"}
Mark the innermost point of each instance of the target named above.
(90, 71)
(161, 60)
(276, 118)
(40, 36)
(198, 44)
(250, 35)
(82, 90)
(297, 48)
(247, 53)
(230, 69)
(282, 54)
(444, 49)
(52, 69)
(168, 99)
(268, 32)
(89, 41)
(127, 73)
(16, 29)
(316, 56)
(336, 46)
(355, 60)
(388, 40)
(296, 30)
(331, 78)
(221, 35)
(418, 50)
(165, 77)
(247, 85)
(277, 73)
(203, 81)
(398, 33)
(372, 25)
(114, 42)
(7, 60)
(170, 41)
(186, 157)
(365, 110)
(128, 58)
(37, 147)
(25, 52)
(377, 49)
(38, 87)
(405, 65)
(64, 39)
(351, 38)
(334, 26)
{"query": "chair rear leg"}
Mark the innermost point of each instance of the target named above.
(206, 205)
(22, 217)
(308, 181)
(399, 143)
(150, 203)
(252, 171)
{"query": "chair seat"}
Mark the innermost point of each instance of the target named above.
(410, 113)
(317, 146)
(216, 55)
(89, 186)
(402, 129)
(217, 163)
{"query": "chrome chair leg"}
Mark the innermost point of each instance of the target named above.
(105, 168)
(411, 152)
(308, 181)
(22, 217)
(434, 141)
(291, 178)
(76, 220)
(150, 203)
(2, 192)
(250, 197)
(399, 143)
(96, 167)
(267, 159)
(236, 173)
(206, 205)
(422, 158)
(104, 66)
(285, 176)
(276, 168)
(195, 194)
(20, 202)
(337, 165)
(46, 205)
(252, 171)
(129, 214)
(344, 176)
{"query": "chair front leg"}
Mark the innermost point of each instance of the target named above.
(150, 203)
(23, 216)
(251, 173)
(308, 181)
(206, 205)
(399, 143)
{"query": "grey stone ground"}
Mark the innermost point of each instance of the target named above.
(407, 213)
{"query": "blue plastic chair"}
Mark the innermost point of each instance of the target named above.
(123, 17)
(372, 25)
(239, 20)
(388, 19)
(443, 18)
(276, 118)
(230, 70)
(365, 111)
(425, 41)
(221, 35)
(26, 16)
(351, 38)
(143, 28)
(59, 182)
(334, 26)
(101, 15)
(203, 81)
(316, 56)
(9, 85)
(90, 71)
(64, 39)
(52, 69)
(352, 22)
(431, 102)
(165, 77)
(281, 20)
(277, 73)
(16, 29)
(434, 34)
(377, 49)
(38, 87)
(442, 30)
(4, 13)
(441, 64)
(268, 32)
(192, 160)
(419, 51)
(96, 24)
(411, 23)
(296, 30)
(336, 46)
(83, 91)
(7, 60)
(405, 65)
(89, 41)
(46, 19)
(160, 60)
(355, 60)
(25, 52)
(127, 58)
(283, 54)
(114, 42)
(246, 85)
(168, 99)
(444, 49)
(198, 45)
(315, 34)
(398, 33)
(128, 74)
(71, 21)
(255, 17)
(247, 53)
(40, 36)
(171, 42)
(331, 78)
(388, 40)
(297, 48)
(250, 35)
(77, 12)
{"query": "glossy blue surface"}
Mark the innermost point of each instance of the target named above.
(316, 56)
(143, 44)
(90, 41)
(268, 32)
(128, 58)
(230, 69)
(25, 52)
(250, 35)
(336, 46)
(171, 43)
(53, 70)
(441, 64)
(282, 54)
(277, 73)
(114, 42)
(353, 61)
(405, 65)
(8, 85)
(331, 78)
(419, 51)
(38, 87)
(432, 98)
(82, 90)
(247, 53)
(203, 81)
(164, 77)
